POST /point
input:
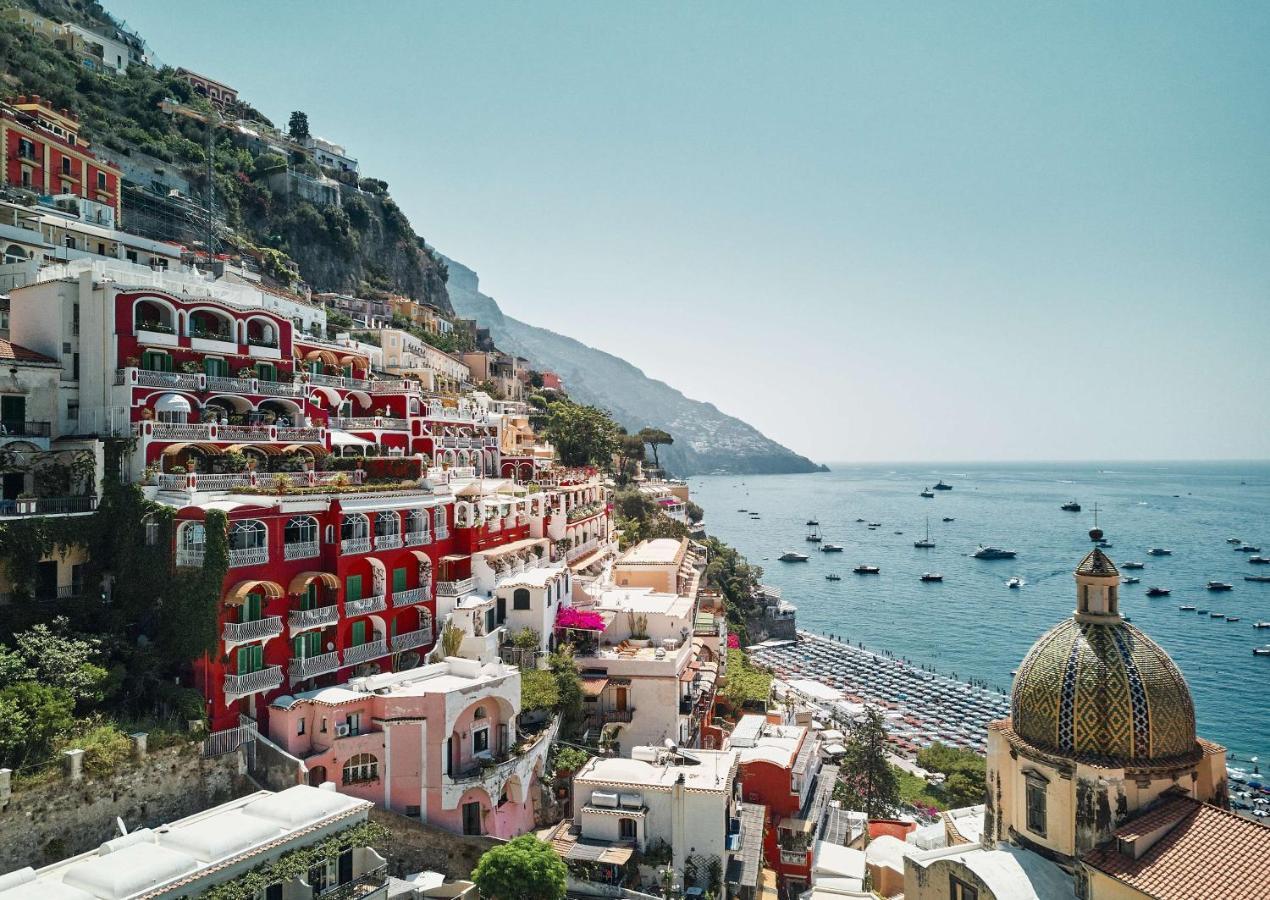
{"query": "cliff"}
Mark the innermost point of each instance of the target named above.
(706, 440)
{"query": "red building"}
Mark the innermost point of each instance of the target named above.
(44, 153)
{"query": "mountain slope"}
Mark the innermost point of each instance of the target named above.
(706, 440)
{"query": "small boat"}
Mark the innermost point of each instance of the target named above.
(1131, 579)
(993, 553)
(1201, 612)
(1232, 618)
(1217, 615)
(925, 543)
(830, 548)
(940, 486)
(1070, 506)
(742, 510)
(1218, 586)
(813, 535)
(928, 494)
(1159, 551)
(833, 577)
(1132, 565)
(1247, 548)
(811, 522)
(1263, 579)
(932, 576)
(1261, 624)
(1187, 608)
(1261, 651)
(1259, 560)
(866, 570)
(1233, 541)
(859, 520)
(875, 524)
(949, 519)
(1105, 545)
(1014, 583)
(1157, 592)
(792, 556)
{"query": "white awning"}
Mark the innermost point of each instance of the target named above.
(344, 439)
(172, 403)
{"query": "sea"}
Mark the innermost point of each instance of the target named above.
(972, 626)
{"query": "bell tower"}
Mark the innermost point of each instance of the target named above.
(1097, 587)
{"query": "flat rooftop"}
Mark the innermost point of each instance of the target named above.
(756, 740)
(659, 552)
(645, 600)
(710, 772)
(444, 677)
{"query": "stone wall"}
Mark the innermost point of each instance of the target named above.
(48, 822)
(416, 846)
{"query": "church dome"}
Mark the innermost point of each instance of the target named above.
(1094, 687)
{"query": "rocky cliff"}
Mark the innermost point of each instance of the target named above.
(706, 440)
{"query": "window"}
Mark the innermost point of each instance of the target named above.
(353, 723)
(307, 645)
(959, 890)
(26, 149)
(1036, 806)
(101, 181)
(354, 526)
(247, 534)
(301, 530)
(360, 768)
(251, 659)
(152, 532)
(299, 728)
(398, 580)
(215, 367)
(66, 165)
(352, 588)
(193, 536)
(480, 740)
(358, 634)
(626, 829)
(251, 609)
(520, 598)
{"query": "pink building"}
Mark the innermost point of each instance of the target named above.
(440, 742)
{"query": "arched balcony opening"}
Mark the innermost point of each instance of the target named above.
(262, 333)
(150, 315)
(387, 531)
(248, 543)
(212, 326)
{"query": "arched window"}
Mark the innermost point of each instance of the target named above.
(248, 534)
(438, 518)
(14, 254)
(479, 713)
(361, 768)
(416, 526)
(301, 530)
(354, 526)
(387, 524)
(193, 536)
(520, 598)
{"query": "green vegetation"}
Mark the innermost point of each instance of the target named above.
(654, 438)
(539, 689)
(564, 669)
(569, 759)
(640, 518)
(966, 773)
(583, 435)
(297, 863)
(866, 779)
(522, 869)
(729, 573)
(915, 791)
(746, 683)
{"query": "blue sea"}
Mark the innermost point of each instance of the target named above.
(975, 627)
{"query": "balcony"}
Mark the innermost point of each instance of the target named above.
(300, 435)
(355, 545)
(793, 857)
(441, 533)
(147, 378)
(301, 550)
(455, 588)
(304, 619)
(418, 538)
(48, 506)
(582, 550)
(411, 640)
(258, 630)
(410, 597)
(387, 541)
(365, 652)
(363, 886)
(304, 668)
(252, 683)
(365, 606)
(191, 557)
(383, 423)
(605, 716)
(18, 429)
(231, 385)
(279, 389)
(248, 556)
(395, 386)
(245, 433)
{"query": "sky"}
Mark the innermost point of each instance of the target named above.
(940, 231)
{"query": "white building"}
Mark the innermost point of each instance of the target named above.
(112, 53)
(330, 154)
(216, 847)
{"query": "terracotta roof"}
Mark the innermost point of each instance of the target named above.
(18, 353)
(1098, 564)
(1207, 852)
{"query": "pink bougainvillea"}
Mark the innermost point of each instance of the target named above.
(584, 620)
(734, 642)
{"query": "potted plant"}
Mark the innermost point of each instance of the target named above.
(132, 362)
(246, 372)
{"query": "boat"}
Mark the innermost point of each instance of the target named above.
(1217, 615)
(1070, 506)
(1261, 651)
(793, 556)
(1014, 583)
(932, 576)
(925, 543)
(940, 486)
(1132, 565)
(1262, 579)
(742, 510)
(1218, 586)
(1157, 592)
(1247, 548)
(993, 553)
(1259, 560)
(1130, 579)
(1159, 551)
(1187, 608)
(1232, 618)
(1261, 624)
(1201, 612)
(831, 548)
(859, 520)
(811, 522)
(875, 524)
(1234, 541)
(928, 493)
(867, 570)
(949, 519)
(1105, 545)
(833, 577)
(814, 535)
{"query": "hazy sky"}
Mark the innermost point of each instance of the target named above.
(875, 231)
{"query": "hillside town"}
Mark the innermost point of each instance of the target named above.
(321, 594)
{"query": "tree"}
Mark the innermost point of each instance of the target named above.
(55, 656)
(298, 125)
(654, 438)
(866, 780)
(583, 435)
(568, 688)
(630, 450)
(522, 869)
(32, 716)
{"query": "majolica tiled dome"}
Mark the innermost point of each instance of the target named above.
(1103, 690)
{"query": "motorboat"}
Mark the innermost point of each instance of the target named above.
(1247, 548)
(932, 576)
(742, 510)
(925, 543)
(1261, 651)
(1261, 624)
(859, 520)
(1070, 506)
(1262, 579)
(1187, 608)
(949, 519)
(1232, 618)
(1259, 560)
(1014, 583)
(832, 576)
(1157, 592)
(1132, 565)
(875, 524)
(1217, 615)
(811, 522)
(1105, 545)
(1131, 579)
(793, 556)
(940, 486)
(928, 493)
(830, 548)
(814, 535)
(1201, 612)
(866, 570)
(1159, 551)
(993, 553)
(1234, 541)
(1218, 586)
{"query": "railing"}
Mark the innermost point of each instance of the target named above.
(503, 760)
(233, 385)
(189, 556)
(582, 549)
(418, 538)
(301, 550)
(441, 533)
(794, 857)
(387, 541)
(173, 431)
(320, 617)
(148, 378)
(455, 588)
(328, 380)
(218, 743)
(525, 660)
(300, 433)
(253, 682)
(410, 597)
(241, 632)
(15, 428)
(365, 606)
(360, 886)
(384, 423)
(279, 388)
(48, 506)
(365, 652)
(355, 545)
(395, 386)
(411, 639)
(248, 556)
(244, 433)
(301, 668)
(604, 716)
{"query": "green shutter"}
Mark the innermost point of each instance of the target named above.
(399, 579)
(313, 641)
(310, 598)
(359, 633)
(251, 609)
(392, 628)
(353, 588)
(266, 372)
(297, 646)
(251, 659)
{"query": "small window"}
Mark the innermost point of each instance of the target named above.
(626, 829)
(101, 181)
(299, 728)
(1036, 807)
(520, 598)
(959, 890)
(360, 768)
(480, 741)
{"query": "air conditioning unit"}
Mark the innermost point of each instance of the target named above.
(341, 731)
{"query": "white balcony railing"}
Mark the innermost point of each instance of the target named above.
(794, 857)
(252, 683)
(410, 597)
(301, 550)
(248, 556)
(244, 433)
(387, 541)
(189, 556)
(383, 423)
(582, 550)
(301, 668)
(455, 588)
(179, 380)
(320, 617)
(279, 389)
(355, 545)
(300, 434)
(365, 606)
(232, 385)
(412, 639)
(259, 629)
(418, 538)
(365, 652)
(441, 533)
